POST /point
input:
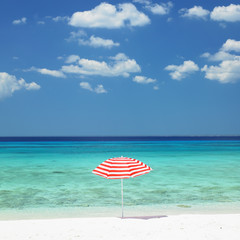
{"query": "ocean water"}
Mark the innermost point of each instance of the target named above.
(46, 176)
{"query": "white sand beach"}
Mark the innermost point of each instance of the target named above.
(183, 227)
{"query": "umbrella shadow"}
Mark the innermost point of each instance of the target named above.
(145, 217)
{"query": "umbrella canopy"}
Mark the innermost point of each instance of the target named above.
(120, 168)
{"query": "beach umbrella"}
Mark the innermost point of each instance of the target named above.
(120, 168)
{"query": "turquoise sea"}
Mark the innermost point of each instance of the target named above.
(54, 178)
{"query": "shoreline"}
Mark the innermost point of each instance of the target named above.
(190, 226)
(115, 212)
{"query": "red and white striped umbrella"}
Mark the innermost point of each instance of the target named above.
(121, 167)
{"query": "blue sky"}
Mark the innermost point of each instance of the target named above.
(141, 67)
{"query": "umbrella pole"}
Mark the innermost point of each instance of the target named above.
(122, 195)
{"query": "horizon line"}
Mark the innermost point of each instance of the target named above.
(73, 136)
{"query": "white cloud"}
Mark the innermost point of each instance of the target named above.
(155, 8)
(223, 54)
(60, 19)
(23, 20)
(74, 36)
(110, 16)
(146, 2)
(45, 71)
(160, 9)
(72, 59)
(9, 84)
(120, 66)
(119, 57)
(41, 22)
(206, 55)
(155, 87)
(98, 42)
(194, 12)
(219, 56)
(143, 80)
(222, 25)
(227, 72)
(231, 45)
(99, 89)
(29, 86)
(81, 37)
(182, 71)
(86, 85)
(229, 13)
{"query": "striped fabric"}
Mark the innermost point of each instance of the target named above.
(121, 167)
